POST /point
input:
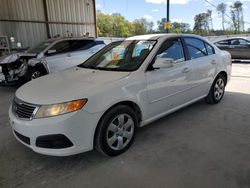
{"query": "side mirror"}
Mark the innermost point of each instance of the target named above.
(51, 51)
(161, 63)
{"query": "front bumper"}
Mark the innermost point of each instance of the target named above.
(78, 127)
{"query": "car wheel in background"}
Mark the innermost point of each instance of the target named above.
(217, 90)
(116, 130)
(35, 73)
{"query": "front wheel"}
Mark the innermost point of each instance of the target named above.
(116, 131)
(217, 90)
(35, 73)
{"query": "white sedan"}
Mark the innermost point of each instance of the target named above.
(128, 84)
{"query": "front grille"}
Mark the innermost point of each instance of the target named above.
(23, 110)
(25, 139)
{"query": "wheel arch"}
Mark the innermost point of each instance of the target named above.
(41, 67)
(135, 107)
(224, 73)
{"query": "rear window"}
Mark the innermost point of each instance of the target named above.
(223, 42)
(196, 48)
(77, 45)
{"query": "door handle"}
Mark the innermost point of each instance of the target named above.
(186, 70)
(69, 55)
(213, 62)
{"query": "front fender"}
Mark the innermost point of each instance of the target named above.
(39, 62)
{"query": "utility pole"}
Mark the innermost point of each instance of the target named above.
(168, 20)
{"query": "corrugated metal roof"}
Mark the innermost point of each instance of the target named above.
(77, 15)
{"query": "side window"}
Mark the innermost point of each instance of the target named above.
(61, 47)
(235, 42)
(243, 42)
(223, 42)
(210, 49)
(196, 48)
(173, 49)
(81, 44)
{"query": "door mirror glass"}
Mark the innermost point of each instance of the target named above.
(161, 63)
(51, 51)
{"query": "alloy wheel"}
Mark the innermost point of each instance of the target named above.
(219, 89)
(35, 75)
(120, 132)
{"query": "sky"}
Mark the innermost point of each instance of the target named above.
(180, 10)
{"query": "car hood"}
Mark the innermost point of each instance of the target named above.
(71, 84)
(13, 57)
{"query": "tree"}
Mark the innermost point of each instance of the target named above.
(162, 25)
(177, 27)
(113, 25)
(237, 16)
(210, 19)
(221, 9)
(201, 23)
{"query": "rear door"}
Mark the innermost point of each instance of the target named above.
(56, 61)
(203, 61)
(81, 51)
(223, 45)
(240, 49)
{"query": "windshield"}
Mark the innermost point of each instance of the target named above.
(120, 56)
(39, 48)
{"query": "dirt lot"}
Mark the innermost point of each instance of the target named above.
(201, 146)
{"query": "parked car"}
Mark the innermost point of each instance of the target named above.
(126, 85)
(47, 57)
(239, 48)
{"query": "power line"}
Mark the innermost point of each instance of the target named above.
(246, 22)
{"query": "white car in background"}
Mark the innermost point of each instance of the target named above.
(47, 57)
(128, 84)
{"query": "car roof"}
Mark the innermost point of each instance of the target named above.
(71, 38)
(162, 36)
(232, 38)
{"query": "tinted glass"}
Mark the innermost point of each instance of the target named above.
(174, 50)
(210, 49)
(196, 48)
(224, 42)
(99, 42)
(39, 48)
(239, 42)
(61, 47)
(120, 56)
(81, 44)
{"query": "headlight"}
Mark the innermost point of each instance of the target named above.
(59, 109)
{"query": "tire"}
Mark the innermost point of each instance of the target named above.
(217, 90)
(116, 131)
(35, 73)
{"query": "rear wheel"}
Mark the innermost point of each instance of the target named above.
(217, 90)
(116, 131)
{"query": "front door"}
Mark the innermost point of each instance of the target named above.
(167, 87)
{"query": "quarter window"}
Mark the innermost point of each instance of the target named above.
(173, 49)
(196, 48)
(210, 49)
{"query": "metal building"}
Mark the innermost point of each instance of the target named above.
(32, 21)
